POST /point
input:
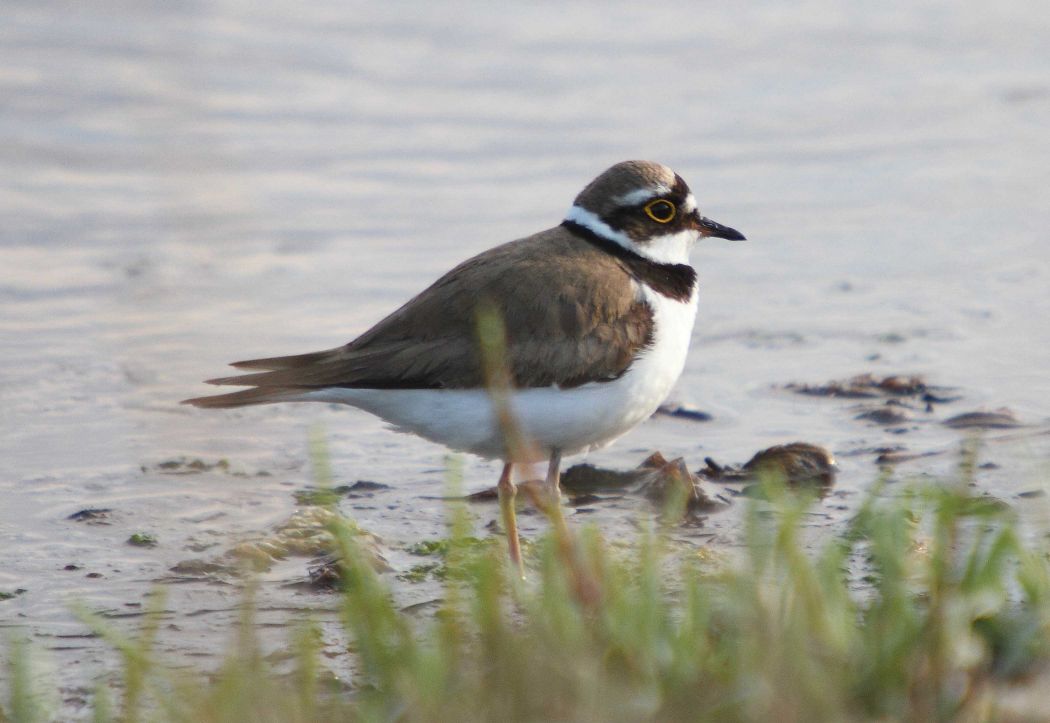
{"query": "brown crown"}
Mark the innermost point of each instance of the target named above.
(602, 194)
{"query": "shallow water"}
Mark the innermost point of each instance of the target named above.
(190, 184)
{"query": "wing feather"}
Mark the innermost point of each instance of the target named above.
(563, 329)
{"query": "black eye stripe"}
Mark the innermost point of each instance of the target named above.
(633, 221)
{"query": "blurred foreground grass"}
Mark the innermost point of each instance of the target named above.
(928, 607)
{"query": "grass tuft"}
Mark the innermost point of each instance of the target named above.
(926, 607)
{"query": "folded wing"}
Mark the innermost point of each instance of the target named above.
(572, 316)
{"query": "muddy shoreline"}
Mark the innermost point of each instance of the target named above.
(200, 563)
(190, 184)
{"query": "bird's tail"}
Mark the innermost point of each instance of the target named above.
(282, 381)
(247, 397)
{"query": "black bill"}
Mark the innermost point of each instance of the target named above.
(708, 227)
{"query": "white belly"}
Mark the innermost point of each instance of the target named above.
(574, 420)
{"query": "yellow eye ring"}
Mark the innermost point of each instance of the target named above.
(661, 210)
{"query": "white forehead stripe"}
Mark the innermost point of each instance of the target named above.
(689, 204)
(642, 194)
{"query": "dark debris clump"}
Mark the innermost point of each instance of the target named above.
(868, 386)
(798, 464)
(656, 478)
(92, 515)
(998, 419)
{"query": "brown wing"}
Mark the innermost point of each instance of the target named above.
(563, 327)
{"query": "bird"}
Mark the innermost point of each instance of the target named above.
(588, 326)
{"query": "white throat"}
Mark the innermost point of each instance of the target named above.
(672, 248)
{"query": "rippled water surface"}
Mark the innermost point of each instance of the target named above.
(186, 184)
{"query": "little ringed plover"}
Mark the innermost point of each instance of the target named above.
(596, 314)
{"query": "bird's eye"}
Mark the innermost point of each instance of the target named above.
(660, 210)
